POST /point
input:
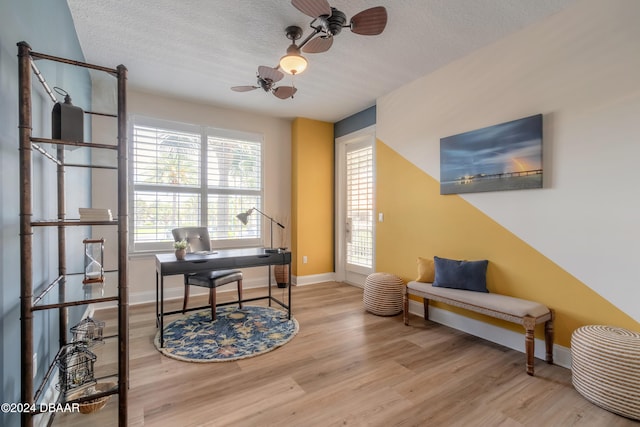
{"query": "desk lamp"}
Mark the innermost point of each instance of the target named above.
(244, 218)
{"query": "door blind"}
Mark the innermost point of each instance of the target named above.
(360, 207)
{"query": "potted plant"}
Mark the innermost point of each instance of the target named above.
(181, 249)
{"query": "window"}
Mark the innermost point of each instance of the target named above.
(186, 175)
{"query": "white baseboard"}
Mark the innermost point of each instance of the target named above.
(149, 296)
(51, 396)
(178, 292)
(496, 334)
(313, 279)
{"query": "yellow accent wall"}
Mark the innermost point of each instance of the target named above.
(312, 208)
(418, 221)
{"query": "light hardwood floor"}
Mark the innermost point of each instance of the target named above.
(350, 367)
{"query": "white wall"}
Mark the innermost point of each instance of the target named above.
(581, 69)
(277, 177)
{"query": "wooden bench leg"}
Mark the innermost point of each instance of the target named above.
(405, 306)
(548, 337)
(529, 343)
(405, 303)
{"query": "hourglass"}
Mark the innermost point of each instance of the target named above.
(93, 261)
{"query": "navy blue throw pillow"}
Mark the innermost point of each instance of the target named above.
(467, 275)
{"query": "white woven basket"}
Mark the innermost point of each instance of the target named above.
(605, 368)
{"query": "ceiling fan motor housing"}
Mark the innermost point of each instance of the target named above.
(265, 84)
(335, 22)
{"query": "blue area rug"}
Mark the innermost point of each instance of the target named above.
(237, 333)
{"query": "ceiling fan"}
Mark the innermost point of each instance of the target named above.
(329, 22)
(267, 77)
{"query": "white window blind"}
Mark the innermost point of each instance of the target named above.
(360, 206)
(186, 175)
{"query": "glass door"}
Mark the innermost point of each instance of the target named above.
(356, 233)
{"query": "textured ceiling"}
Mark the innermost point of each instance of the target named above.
(198, 49)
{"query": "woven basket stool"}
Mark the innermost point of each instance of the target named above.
(605, 368)
(383, 294)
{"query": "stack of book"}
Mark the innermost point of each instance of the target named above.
(95, 214)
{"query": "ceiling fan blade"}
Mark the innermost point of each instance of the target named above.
(270, 73)
(284, 92)
(318, 45)
(313, 8)
(243, 88)
(370, 22)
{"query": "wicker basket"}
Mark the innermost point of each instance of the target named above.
(281, 273)
(90, 406)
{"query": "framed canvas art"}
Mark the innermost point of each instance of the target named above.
(507, 156)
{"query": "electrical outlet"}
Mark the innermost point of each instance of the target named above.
(304, 259)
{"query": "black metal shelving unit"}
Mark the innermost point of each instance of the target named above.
(54, 296)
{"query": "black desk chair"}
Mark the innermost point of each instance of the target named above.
(198, 240)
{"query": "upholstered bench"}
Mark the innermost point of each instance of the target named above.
(516, 310)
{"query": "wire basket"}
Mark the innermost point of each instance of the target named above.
(75, 363)
(89, 332)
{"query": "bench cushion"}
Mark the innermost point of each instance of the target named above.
(494, 302)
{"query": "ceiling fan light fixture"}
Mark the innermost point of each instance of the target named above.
(293, 63)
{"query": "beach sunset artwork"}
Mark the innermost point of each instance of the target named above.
(507, 156)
